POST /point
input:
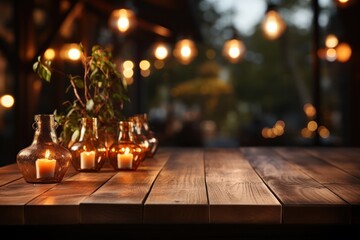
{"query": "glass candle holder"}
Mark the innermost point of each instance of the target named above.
(89, 153)
(150, 135)
(143, 135)
(125, 154)
(139, 135)
(45, 160)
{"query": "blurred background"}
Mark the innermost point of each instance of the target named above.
(209, 73)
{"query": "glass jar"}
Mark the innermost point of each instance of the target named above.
(150, 135)
(125, 154)
(144, 136)
(45, 160)
(139, 134)
(89, 153)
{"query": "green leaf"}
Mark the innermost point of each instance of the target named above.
(93, 74)
(42, 69)
(95, 48)
(35, 66)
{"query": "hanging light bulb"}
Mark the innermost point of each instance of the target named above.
(234, 49)
(343, 3)
(122, 19)
(70, 51)
(185, 51)
(273, 25)
(161, 50)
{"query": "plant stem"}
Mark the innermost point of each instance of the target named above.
(76, 93)
(86, 70)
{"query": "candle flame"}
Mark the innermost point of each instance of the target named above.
(47, 154)
(127, 150)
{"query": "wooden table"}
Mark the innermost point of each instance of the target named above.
(220, 191)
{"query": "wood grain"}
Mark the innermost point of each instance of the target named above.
(248, 186)
(179, 193)
(9, 173)
(16, 194)
(320, 170)
(13, 198)
(332, 169)
(61, 204)
(236, 193)
(304, 200)
(347, 159)
(120, 200)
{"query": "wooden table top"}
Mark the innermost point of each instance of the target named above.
(248, 185)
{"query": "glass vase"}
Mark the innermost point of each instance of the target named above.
(125, 154)
(139, 136)
(88, 153)
(150, 135)
(143, 135)
(45, 160)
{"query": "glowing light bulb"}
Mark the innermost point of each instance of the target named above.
(121, 20)
(234, 50)
(161, 51)
(185, 51)
(74, 54)
(273, 25)
(7, 101)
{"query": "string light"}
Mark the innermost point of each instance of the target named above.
(7, 101)
(122, 19)
(185, 50)
(273, 24)
(161, 50)
(234, 50)
(71, 52)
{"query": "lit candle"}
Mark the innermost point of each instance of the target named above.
(125, 159)
(45, 167)
(87, 160)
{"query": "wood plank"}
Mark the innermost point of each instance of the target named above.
(304, 200)
(61, 204)
(328, 173)
(15, 195)
(179, 193)
(13, 198)
(318, 169)
(121, 199)
(236, 193)
(347, 159)
(9, 173)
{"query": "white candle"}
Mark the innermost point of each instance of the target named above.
(45, 167)
(125, 160)
(87, 160)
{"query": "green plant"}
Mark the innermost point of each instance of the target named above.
(100, 92)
